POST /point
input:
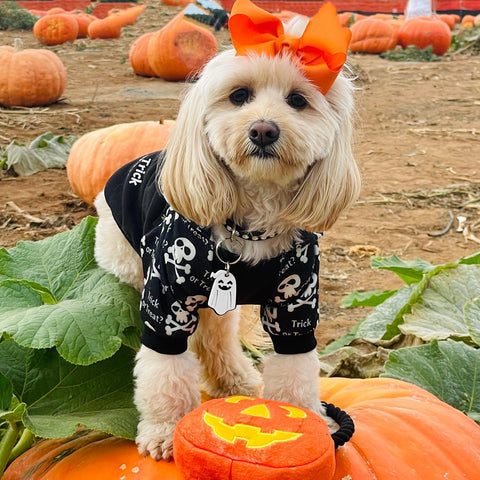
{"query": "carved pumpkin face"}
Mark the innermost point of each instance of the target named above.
(246, 437)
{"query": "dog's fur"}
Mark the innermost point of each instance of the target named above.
(213, 172)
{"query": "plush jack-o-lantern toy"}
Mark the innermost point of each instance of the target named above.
(246, 437)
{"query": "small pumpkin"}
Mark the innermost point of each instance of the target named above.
(109, 27)
(448, 19)
(424, 32)
(30, 77)
(96, 155)
(56, 29)
(138, 56)
(372, 35)
(251, 438)
(401, 432)
(177, 3)
(180, 49)
(84, 20)
(468, 21)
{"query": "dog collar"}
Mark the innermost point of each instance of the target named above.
(234, 229)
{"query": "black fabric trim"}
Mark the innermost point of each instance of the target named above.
(291, 344)
(172, 345)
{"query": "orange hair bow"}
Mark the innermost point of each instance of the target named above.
(321, 50)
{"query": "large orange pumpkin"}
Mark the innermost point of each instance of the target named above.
(402, 433)
(180, 49)
(96, 155)
(30, 77)
(372, 35)
(424, 32)
(56, 29)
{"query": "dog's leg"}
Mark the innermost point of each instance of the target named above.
(112, 250)
(227, 371)
(166, 389)
(294, 379)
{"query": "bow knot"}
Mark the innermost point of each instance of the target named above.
(287, 43)
(321, 50)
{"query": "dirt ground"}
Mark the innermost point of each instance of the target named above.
(417, 143)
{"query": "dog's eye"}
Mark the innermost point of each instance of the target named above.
(240, 96)
(297, 101)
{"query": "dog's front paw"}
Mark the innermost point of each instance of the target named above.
(155, 439)
(320, 410)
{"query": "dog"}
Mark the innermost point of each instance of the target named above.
(259, 159)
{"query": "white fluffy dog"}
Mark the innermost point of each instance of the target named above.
(258, 158)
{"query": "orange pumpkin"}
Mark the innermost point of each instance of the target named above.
(31, 77)
(89, 455)
(424, 32)
(467, 21)
(401, 432)
(372, 35)
(138, 56)
(346, 19)
(96, 155)
(448, 19)
(180, 49)
(244, 437)
(109, 27)
(56, 29)
(128, 16)
(84, 20)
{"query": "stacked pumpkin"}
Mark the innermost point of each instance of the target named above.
(381, 32)
(59, 26)
(174, 52)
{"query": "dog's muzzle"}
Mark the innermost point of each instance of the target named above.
(262, 133)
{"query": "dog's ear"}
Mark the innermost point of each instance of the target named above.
(193, 179)
(333, 183)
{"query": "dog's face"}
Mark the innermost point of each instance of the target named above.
(265, 120)
(251, 121)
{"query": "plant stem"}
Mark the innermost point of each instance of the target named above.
(6, 445)
(23, 444)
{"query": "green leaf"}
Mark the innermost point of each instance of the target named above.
(450, 370)
(409, 271)
(439, 312)
(471, 312)
(382, 322)
(6, 392)
(473, 259)
(53, 294)
(61, 396)
(371, 298)
(46, 151)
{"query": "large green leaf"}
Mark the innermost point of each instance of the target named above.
(60, 396)
(46, 151)
(450, 370)
(53, 294)
(372, 298)
(439, 312)
(409, 271)
(382, 322)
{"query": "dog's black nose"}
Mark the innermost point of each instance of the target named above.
(263, 133)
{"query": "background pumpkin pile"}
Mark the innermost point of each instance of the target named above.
(379, 33)
(58, 26)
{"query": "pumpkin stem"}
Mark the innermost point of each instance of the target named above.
(18, 44)
(23, 444)
(6, 444)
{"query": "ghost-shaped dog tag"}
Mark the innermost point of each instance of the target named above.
(223, 296)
